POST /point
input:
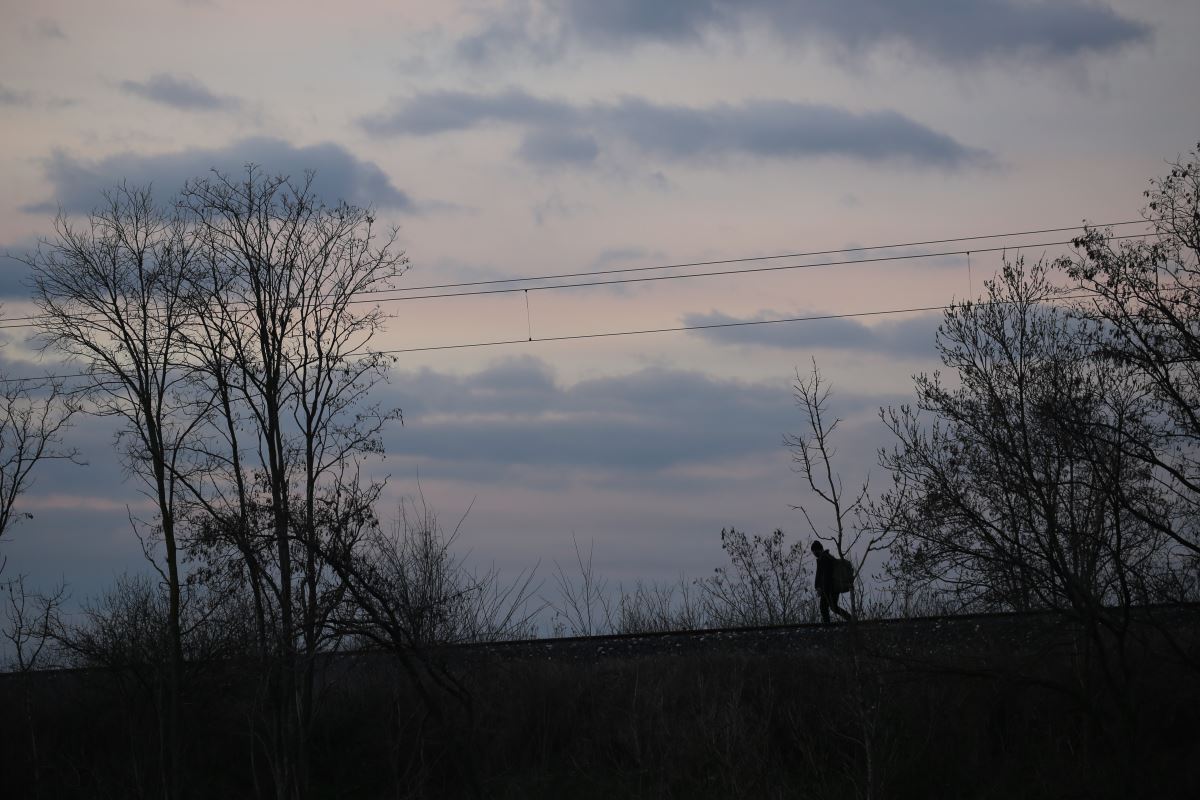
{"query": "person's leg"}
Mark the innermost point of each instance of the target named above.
(825, 607)
(841, 612)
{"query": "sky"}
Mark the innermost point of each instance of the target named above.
(540, 137)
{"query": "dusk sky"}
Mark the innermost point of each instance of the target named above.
(515, 139)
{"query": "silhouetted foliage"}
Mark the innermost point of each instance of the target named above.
(766, 582)
(33, 417)
(407, 590)
(112, 296)
(585, 602)
(1146, 314)
(223, 332)
(1005, 479)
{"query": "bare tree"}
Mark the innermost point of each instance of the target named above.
(112, 295)
(1008, 484)
(1145, 303)
(654, 607)
(33, 417)
(285, 348)
(128, 632)
(585, 599)
(851, 531)
(411, 595)
(766, 582)
(411, 591)
(855, 534)
(34, 414)
(32, 621)
(1006, 498)
(233, 335)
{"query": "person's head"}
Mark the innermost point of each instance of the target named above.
(817, 549)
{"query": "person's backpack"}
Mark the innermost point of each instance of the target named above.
(843, 575)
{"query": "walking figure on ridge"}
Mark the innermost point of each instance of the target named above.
(834, 576)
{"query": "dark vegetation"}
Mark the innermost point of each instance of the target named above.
(292, 644)
(994, 708)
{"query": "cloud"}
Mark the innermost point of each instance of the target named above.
(952, 32)
(624, 255)
(557, 132)
(651, 463)
(180, 92)
(14, 273)
(627, 22)
(74, 501)
(782, 129)
(515, 415)
(534, 30)
(555, 206)
(514, 424)
(15, 98)
(440, 112)
(555, 146)
(48, 29)
(909, 336)
(340, 175)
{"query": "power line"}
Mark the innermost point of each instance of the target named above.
(726, 272)
(715, 262)
(610, 334)
(710, 326)
(749, 259)
(656, 278)
(645, 331)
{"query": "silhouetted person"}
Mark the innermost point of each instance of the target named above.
(826, 583)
